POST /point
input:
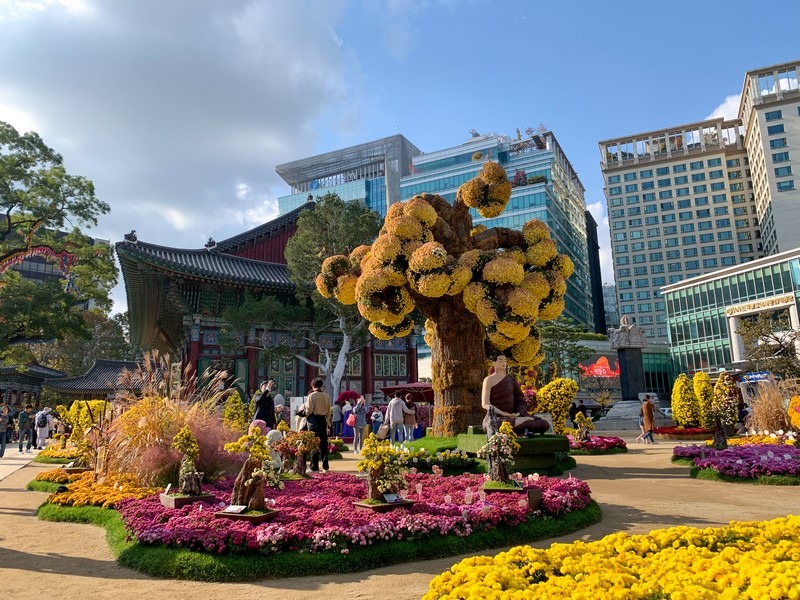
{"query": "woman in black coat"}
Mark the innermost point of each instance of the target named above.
(265, 407)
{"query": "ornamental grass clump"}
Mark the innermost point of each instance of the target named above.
(555, 398)
(384, 465)
(769, 407)
(755, 559)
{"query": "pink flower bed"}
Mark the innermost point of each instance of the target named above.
(598, 444)
(682, 431)
(317, 515)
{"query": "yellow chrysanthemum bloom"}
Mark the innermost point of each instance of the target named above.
(499, 341)
(336, 265)
(537, 284)
(550, 310)
(370, 283)
(534, 231)
(564, 264)
(322, 286)
(513, 331)
(541, 253)
(524, 351)
(472, 293)
(420, 209)
(346, 289)
(517, 255)
(395, 211)
(386, 248)
(477, 229)
(428, 257)
(502, 270)
(557, 282)
(411, 246)
(394, 277)
(388, 332)
(524, 303)
(469, 259)
(459, 278)
(491, 210)
(485, 312)
(358, 254)
(493, 173)
(473, 192)
(405, 227)
(432, 285)
(536, 360)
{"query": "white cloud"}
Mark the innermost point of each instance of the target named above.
(604, 240)
(729, 109)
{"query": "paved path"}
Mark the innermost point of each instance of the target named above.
(638, 491)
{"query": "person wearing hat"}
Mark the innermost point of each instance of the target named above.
(43, 424)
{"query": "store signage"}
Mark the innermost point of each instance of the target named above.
(757, 305)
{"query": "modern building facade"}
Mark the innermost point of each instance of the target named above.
(545, 187)
(703, 313)
(770, 114)
(595, 275)
(369, 172)
(687, 200)
(680, 204)
(610, 305)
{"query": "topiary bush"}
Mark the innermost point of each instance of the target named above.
(685, 408)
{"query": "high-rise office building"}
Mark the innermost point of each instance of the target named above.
(545, 187)
(691, 199)
(368, 172)
(610, 306)
(770, 115)
(680, 204)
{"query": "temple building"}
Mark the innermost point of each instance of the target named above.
(177, 298)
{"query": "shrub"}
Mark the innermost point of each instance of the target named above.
(704, 392)
(685, 408)
(555, 398)
(724, 400)
(234, 414)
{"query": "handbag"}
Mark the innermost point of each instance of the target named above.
(351, 420)
(383, 432)
(301, 412)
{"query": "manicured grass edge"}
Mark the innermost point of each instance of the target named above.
(684, 462)
(47, 460)
(712, 475)
(592, 452)
(175, 563)
(43, 486)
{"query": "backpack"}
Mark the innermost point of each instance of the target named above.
(41, 420)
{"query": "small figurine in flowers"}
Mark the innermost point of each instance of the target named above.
(248, 490)
(385, 468)
(499, 452)
(188, 477)
(295, 449)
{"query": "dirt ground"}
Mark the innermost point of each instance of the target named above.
(638, 491)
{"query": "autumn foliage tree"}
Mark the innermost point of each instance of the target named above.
(471, 284)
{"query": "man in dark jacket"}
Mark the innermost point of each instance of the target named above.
(25, 424)
(265, 407)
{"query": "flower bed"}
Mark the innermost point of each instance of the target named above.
(742, 560)
(84, 491)
(751, 462)
(683, 433)
(772, 439)
(450, 460)
(317, 515)
(57, 476)
(597, 445)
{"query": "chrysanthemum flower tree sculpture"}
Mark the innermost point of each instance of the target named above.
(471, 284)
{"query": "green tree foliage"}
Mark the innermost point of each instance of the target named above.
(769, 343)
(235, 413)
(685, 408)
(561, 345)
(43, 208)
(555, 398)
(704, 392)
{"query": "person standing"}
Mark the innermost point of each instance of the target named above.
(336, 419)
(265, 407)
(318, 413)
(25, 425)
(360, 411)
(395, 414)
(410, 418)
(648, 419)
(43, 424)
(5, 419)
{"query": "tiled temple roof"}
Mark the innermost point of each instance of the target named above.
(101, 378)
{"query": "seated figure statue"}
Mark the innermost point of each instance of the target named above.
(502, 391)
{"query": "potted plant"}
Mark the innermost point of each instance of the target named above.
(499, 450)
(384, 466)
(189, 489)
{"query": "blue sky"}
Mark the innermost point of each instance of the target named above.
(179, 111)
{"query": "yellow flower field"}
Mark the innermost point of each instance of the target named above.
(757, 560)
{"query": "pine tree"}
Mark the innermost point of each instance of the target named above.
(234, 414)
(685, 408)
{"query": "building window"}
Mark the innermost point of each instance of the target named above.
(627, 309)
(733, 162)
(715, 174)
(724, 248)
(620, 237)
(648, 197)
(724, 235)
(616, 202)
(704, 225)
(784, 186)
(637, 271)
(699, 177)
(646, 307)
(723, 223)
(773, 115)
(642, 283)
(703, 213)
(654, 232)
(783, 171)
(777, 143)
(659, 281)
(687, 228)
(710, 263)
(685, 216)
(682, 192)
(630, 176)
(689, 252)
(632, 199)
(656, 256)
(673, 254)
(696, 165)
(700, 189)
(701, 200)
(674, 267)
(646, 173)
(648, 185)
(656, 269)
(692, 264)
(613, 179)
(728, 260)
(773, 129)
(706, 238)
(662, 171)
(708, 250)
(664, 182)
(681, 180)
(667, 218)
(623, 260)
(679, 168)
(632, 187)
(615, 190)
(714, 162)
(778, 157)
(624, 272)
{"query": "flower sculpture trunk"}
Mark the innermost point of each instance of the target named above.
(249, 490)
(472, 285)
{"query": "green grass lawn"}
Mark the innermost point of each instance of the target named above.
(713, 475)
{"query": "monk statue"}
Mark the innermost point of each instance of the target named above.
(502, 391)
